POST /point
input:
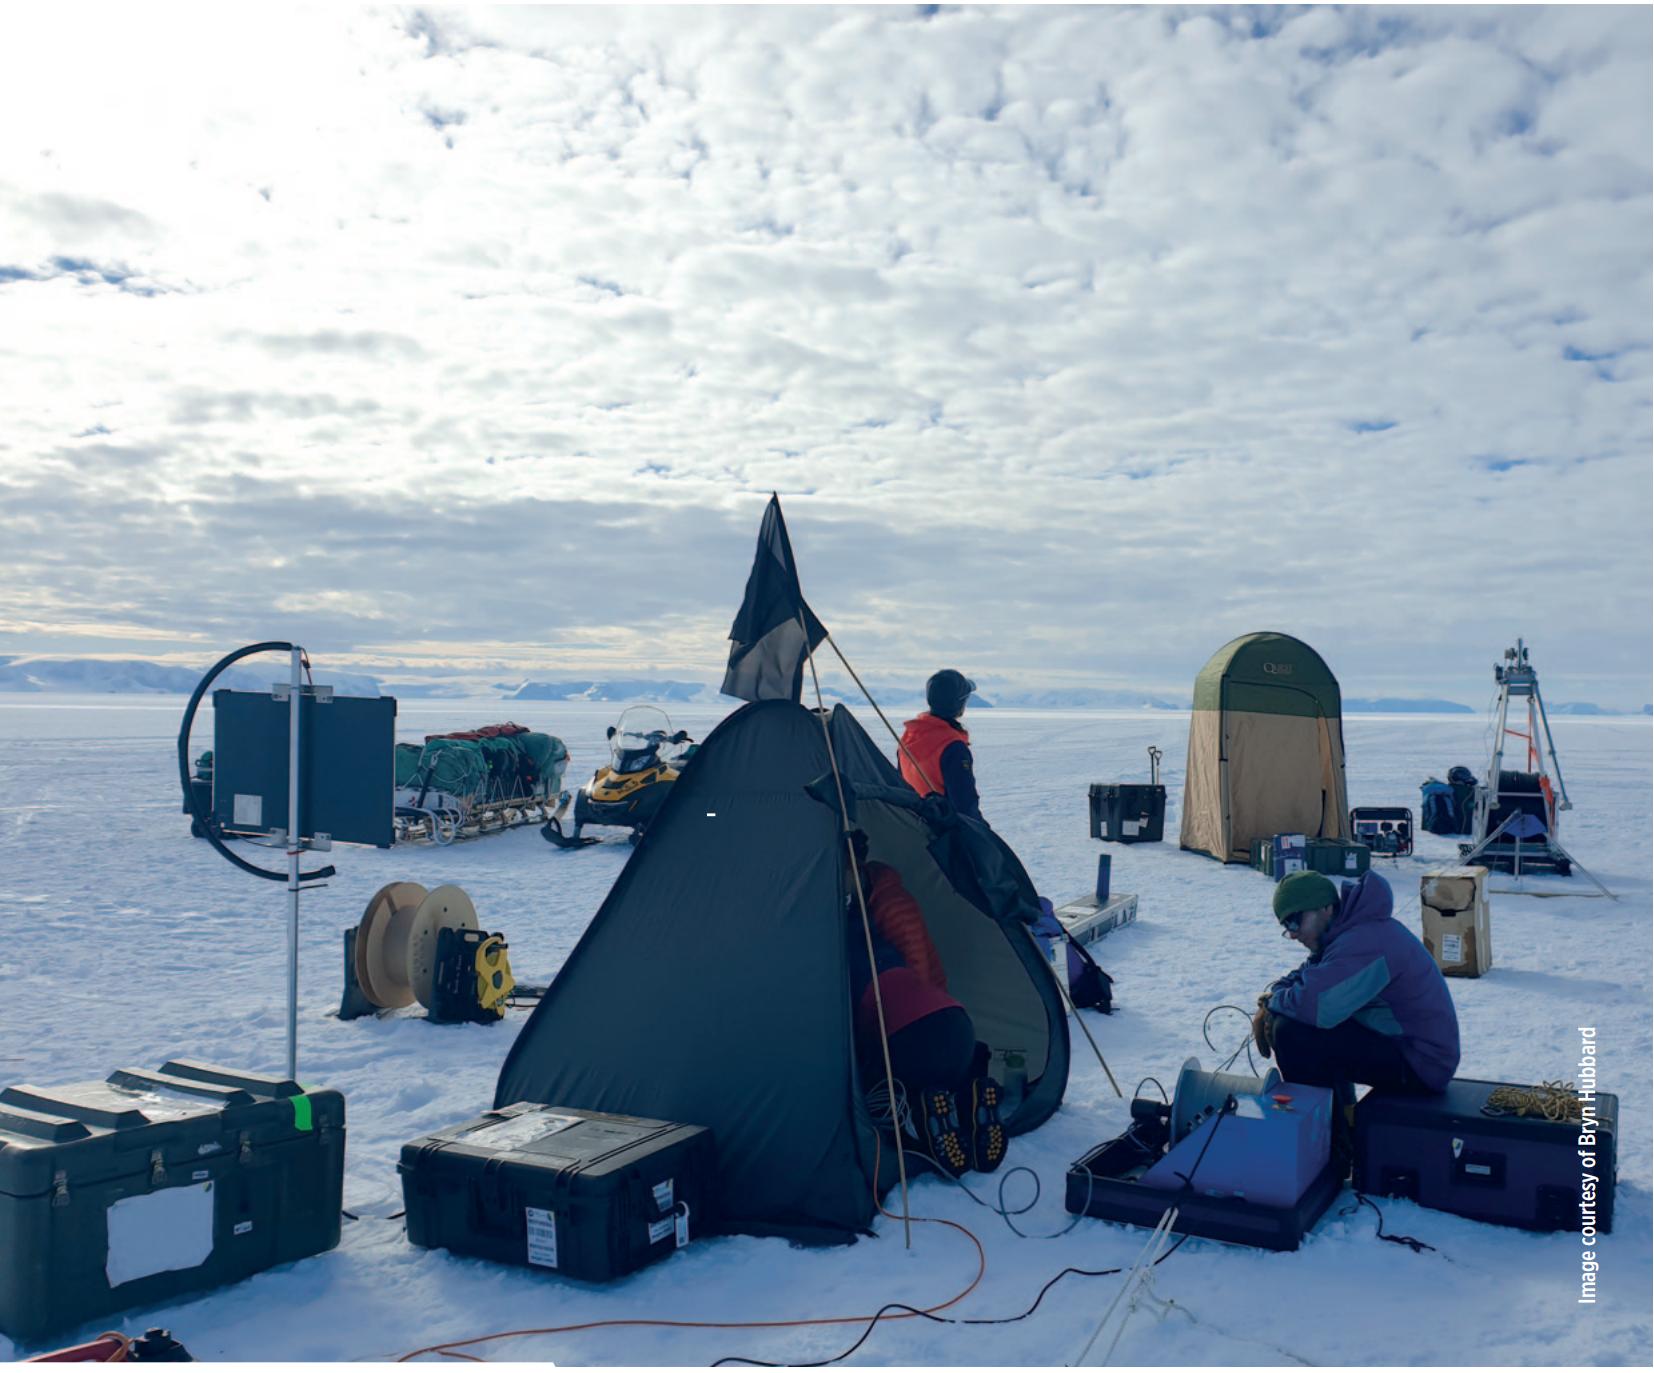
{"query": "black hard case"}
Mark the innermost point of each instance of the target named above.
(1103, 1183)
(466, 1192)
(1115, 803)
(1442, 1152)
(271, 1153)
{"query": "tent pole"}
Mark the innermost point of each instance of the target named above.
(867, 933)
(1085, 1029)
(870, 701)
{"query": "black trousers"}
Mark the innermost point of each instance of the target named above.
(1345, 1054)
(937, 1050)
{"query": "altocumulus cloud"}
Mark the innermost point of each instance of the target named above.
(1076, 340)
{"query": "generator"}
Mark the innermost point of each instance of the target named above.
(1460, 1153)
(1387, 831)
(581, 1193)
(148, 1185)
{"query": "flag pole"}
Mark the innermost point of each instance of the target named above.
(867, 932)
(870, 701)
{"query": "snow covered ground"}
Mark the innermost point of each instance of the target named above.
(124, 942)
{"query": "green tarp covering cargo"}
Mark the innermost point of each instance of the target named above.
(475, 781)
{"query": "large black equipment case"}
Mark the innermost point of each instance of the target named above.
(133, 1190)
(1444, 1153)
(581, 1193)
(1104, 1183)
(1128, 812)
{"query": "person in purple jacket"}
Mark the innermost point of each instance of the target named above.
(1368, 1005)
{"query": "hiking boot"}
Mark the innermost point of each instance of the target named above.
(987, 1130)
(942, 1135)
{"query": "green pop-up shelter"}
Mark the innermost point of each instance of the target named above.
(1266, 748)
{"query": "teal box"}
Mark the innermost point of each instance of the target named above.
(150, 1185)
(1337, 857)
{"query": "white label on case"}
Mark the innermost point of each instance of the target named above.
(1129, 827)
(200, 1173)
(663, 1196)
(159, 1232)
(517, 1132)
(683, 1226)
(661, 1229)
(244, 1227)
(542, 1236)
(249, 810)
(1452, 948)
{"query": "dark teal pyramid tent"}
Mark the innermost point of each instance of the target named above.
(712, 986)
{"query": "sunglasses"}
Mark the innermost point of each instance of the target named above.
(1290, 926)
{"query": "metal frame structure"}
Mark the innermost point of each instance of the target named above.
(1501, 846)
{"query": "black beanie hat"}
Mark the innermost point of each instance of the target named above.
(947, 691)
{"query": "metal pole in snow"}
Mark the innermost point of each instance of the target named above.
(295, 697)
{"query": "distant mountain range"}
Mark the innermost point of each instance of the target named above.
(905, 697)
(131, 675)
(625, 689)
(1398, 705)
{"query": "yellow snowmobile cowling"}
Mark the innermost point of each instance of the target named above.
(609, 787)
(646, 757)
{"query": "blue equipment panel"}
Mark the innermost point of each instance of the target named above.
(347, 767)
(1268, 1150)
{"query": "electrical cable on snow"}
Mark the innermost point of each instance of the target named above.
(1416, 1245)
(908, 1312)
(1245, 1044)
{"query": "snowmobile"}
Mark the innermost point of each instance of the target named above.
(645, 758)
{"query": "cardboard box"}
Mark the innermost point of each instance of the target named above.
(1453, 888)
(1461, 942)
(1458, 928)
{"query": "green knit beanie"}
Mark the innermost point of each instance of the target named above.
(1303, 891)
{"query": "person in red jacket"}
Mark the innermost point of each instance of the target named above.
(934, 1052)
(936, 749)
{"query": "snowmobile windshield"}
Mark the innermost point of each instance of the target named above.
(638, 738)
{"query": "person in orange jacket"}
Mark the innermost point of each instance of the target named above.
(931, 1039)
(936, 749)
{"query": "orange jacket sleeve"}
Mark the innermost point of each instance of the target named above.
(898, 918)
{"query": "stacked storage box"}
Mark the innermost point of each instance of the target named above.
(1337, 857)
(1457, 924)
(1279, 854)
(1128, 812)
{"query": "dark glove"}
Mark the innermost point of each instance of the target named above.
(1263, 1027)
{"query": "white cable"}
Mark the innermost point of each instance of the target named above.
(1168, 1306)
(1156, 1240)
(1143, 1277)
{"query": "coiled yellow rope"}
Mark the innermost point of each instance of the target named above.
(1556, 1101)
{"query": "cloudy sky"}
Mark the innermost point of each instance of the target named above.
(1076, 341)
